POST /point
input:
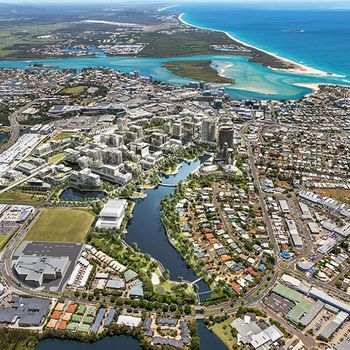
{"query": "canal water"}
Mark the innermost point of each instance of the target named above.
(146, 229)
(117, 342)
(208, 341)
(3, 137)
(74, 194)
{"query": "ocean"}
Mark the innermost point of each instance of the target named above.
(315, 37)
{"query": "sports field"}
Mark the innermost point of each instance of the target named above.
(61, 225)
(75, 90)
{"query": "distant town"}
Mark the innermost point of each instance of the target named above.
(256, 204)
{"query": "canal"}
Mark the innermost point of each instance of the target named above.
(208, 341)
(146, 229)
(3, 137)
(74, 194)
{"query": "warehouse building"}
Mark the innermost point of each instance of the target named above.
(35, 270)
(294, 234)
(251, 333)
(332, 327)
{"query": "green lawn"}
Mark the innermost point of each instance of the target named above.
(75, 90)
(56, 158)
(63, 135)
(61, 225)
(3, 240)
(223, 331)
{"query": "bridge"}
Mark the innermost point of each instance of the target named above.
(206, 292)
(166, 185)
(197, 280)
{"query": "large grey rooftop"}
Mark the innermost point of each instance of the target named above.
(34, 270)
(29, 311)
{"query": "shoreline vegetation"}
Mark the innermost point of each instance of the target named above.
(199, 70)
(19, 339)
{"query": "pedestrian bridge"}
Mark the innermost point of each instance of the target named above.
(166, 185)
(197, 280)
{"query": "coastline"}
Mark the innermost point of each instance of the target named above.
(299, 68)
(315, 87)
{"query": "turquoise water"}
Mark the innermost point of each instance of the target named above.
(324, 45)
(252, 80)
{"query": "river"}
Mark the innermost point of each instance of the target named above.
(146, 228)
(251, 80)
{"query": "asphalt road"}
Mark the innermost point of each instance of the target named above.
(15, 127)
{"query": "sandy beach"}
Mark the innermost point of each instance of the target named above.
(313, 86)
(299, 68)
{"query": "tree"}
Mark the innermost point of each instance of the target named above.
(187, 309)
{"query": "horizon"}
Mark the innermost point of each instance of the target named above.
(341, 5)
(178, 2)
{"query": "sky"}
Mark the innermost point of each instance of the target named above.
(334, 4)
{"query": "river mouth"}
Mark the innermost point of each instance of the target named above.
(75, 194)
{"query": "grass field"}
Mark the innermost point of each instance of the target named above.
(14, 39)
(56, 158)
(17, 195)
(3, 240)
(199, 70)
(61, 225)
(74, 90)
(223, 331)
(63, 135)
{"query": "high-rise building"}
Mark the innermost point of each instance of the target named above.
(112, 156)
(177, 130)
(225, 140)
(209, 130)
(158, 138)
(140, 148)
(122, 123)
(188, 130)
